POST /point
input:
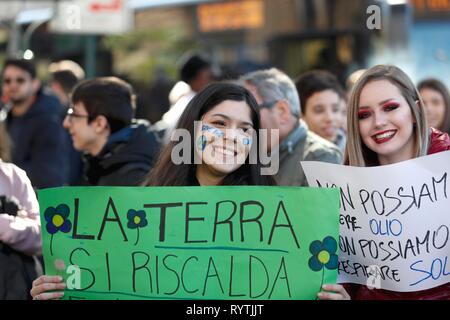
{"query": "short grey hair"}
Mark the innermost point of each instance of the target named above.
(273, 85)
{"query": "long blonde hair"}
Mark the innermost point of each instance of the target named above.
(356, 152)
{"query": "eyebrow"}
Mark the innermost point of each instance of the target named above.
(381, 103)
(228, 118)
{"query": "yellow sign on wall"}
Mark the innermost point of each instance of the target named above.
(231, 15)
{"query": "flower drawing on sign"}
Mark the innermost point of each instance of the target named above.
(323, 255)
(136, 220)
(57, 220)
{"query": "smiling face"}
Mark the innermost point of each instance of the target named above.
(386, 122)
(434, 106)
(322, 114)
(224, 138)
(87, 136)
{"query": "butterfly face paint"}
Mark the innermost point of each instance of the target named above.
(224, 137)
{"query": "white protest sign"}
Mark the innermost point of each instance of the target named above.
(395, 221)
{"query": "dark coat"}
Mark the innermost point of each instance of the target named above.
(17, 273)
(126, 158)
(39, 142)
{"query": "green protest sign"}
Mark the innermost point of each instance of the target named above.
(191, 242)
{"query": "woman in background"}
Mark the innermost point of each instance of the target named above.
(436, 98)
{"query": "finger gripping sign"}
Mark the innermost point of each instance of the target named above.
(394, 221)
(191, 242)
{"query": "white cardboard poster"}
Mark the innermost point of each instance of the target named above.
(395, 221)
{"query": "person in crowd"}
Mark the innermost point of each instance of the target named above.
(229, 118)
(321, 97)
(279, 106)
(351, 81)
(64, 76)
(436, 97)
(34, 124)
(387, 124)
(195, 74)
(343, 120)
(20, 232)
(117, 150)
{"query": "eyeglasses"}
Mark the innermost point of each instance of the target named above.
(17, 80)
(72, 114)
(267, 105)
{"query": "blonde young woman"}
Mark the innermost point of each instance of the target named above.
(386, 125)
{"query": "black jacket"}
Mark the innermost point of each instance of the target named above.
(126, 158)
(39, 141)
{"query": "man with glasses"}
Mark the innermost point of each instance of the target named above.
(34, 124)
(118, 151)
(279, 105)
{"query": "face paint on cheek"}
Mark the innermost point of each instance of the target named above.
(246, 141)
(201, 143)
(218, 133)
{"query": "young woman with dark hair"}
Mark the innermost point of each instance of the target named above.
(228, 119)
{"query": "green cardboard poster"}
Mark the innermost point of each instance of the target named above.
(234, 243)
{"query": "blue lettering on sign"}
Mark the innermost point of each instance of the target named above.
(390, 227)
(437, 270)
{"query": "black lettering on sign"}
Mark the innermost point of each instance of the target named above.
(162, 219)
(188, 219)
(288, 225)
(213, 275)
(75, 235)
(413, 197)
(116, 220)
(424, 192)
(283, 277)
(140, 267)
(364, 195)
(182, 274)
(230, 293)
(226, 221)
(256, 219)
(72, 262)
(434, 181)
(399, 202)
(346, 198)
(174, 272)
(250, 262)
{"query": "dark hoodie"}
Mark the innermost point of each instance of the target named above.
(39, 144)
(126, 158)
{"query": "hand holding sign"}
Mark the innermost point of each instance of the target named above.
(194, 242)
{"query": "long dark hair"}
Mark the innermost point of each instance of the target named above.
(166, 173)
(438, 86)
